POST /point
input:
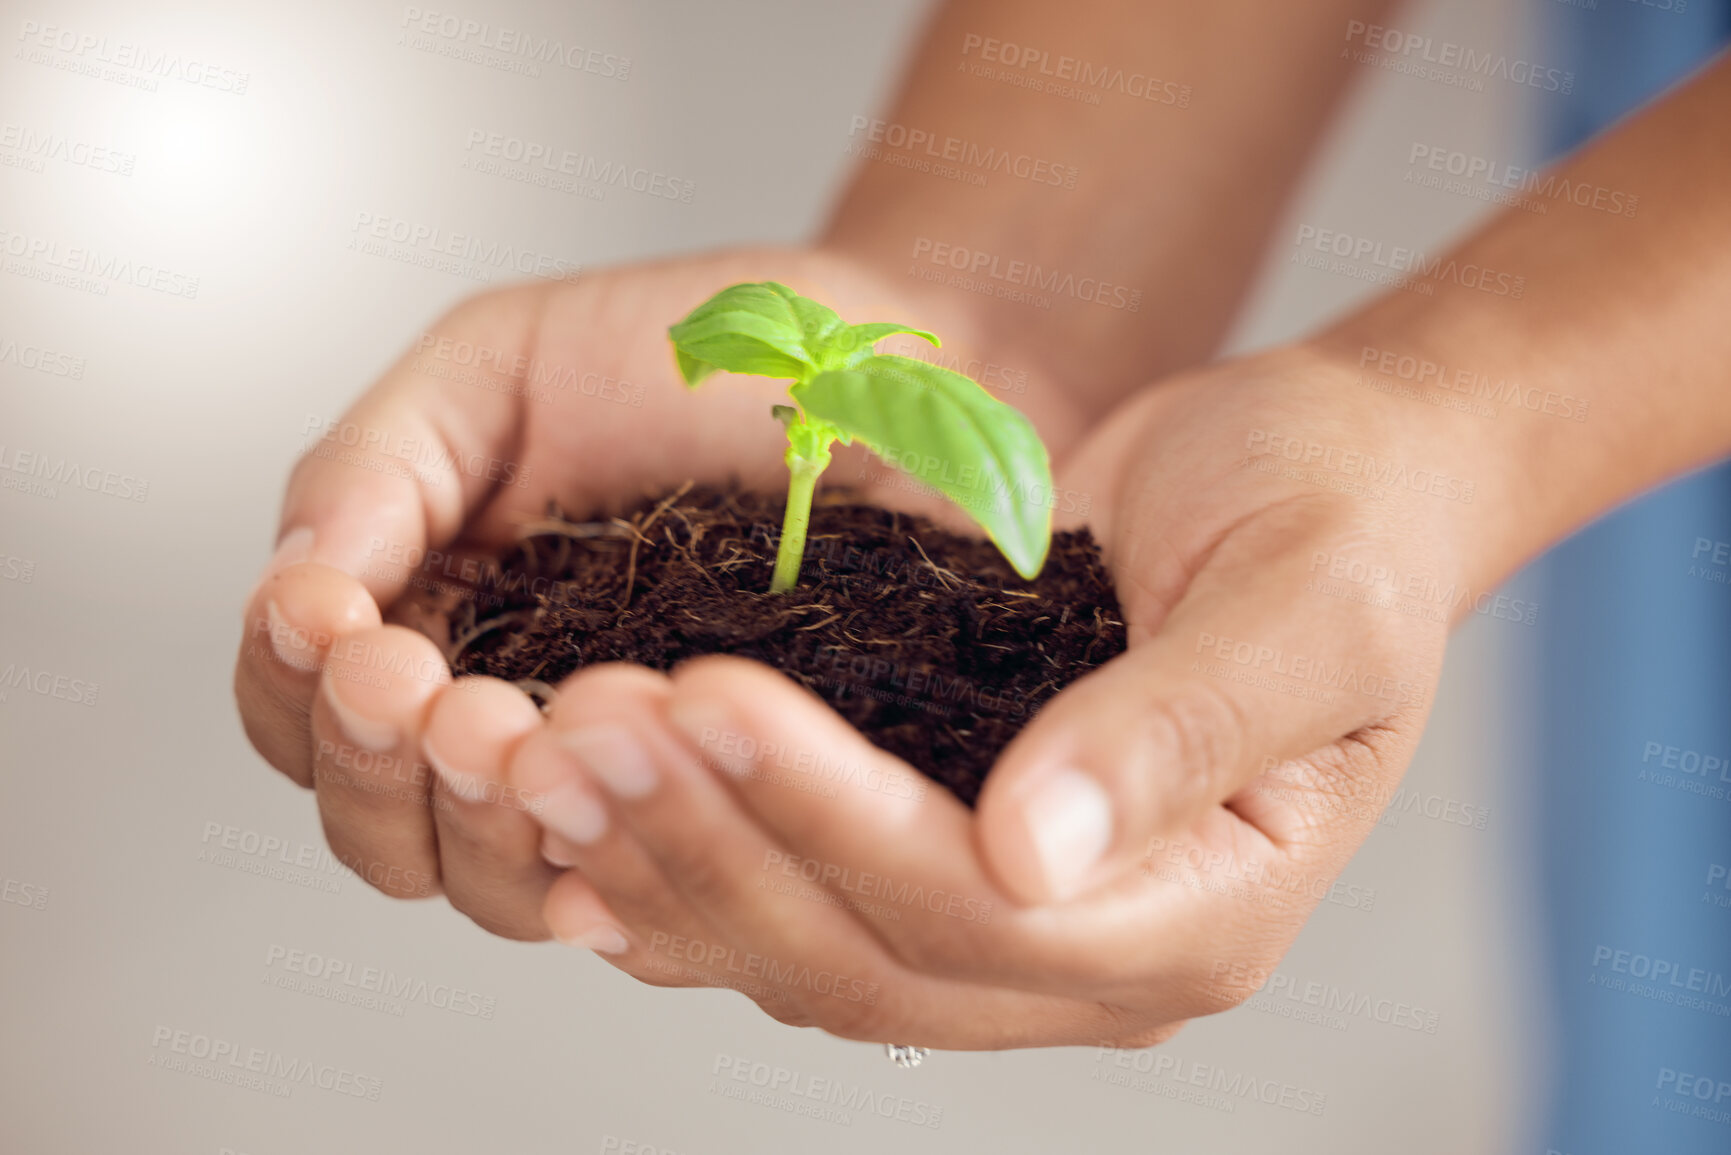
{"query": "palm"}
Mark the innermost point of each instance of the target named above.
(1204, 545)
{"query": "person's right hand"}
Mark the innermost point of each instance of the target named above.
(562, 391)
(1287, 547)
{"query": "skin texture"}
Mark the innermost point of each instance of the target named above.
(340, 702)
(1207, 786)
(1174, 195)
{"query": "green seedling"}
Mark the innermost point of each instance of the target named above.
(939, 426)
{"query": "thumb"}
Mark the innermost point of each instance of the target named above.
(1241, 675)
(397, 473)
(377, 491)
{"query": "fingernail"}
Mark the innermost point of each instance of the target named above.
(614, 756)
(572, 812)
(1070, 820)
(367, 733)
(603, 938)
(464, 786)
(295, 547)
(557, 850)
(705, 725)
(282, 641)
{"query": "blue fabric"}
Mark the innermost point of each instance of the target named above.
(1635, 644)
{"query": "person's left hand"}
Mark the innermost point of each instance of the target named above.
(1150, 844)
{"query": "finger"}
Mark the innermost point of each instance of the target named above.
(711, 852)
(374, 789)
(642, 910)
(909, 872)
(579, 917)
(489, 842)
(292, 619)
(863, 830)
(390, 471)
(1241, 675)
(558, 850)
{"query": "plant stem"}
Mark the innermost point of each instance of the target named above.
(803, 473)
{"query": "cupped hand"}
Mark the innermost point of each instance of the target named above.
(564, 392)
(1288, 548)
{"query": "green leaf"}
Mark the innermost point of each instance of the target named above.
(858, 340)
(768, 329)
(748, 328)
(818, 324)
(949, 433)
(690, 368)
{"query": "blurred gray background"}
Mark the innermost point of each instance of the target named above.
(126, 916)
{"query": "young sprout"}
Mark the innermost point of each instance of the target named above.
(937, 425)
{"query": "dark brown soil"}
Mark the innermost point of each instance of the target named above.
(926, 641)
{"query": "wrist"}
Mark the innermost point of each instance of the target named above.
(1463, 474)
(1549, 438)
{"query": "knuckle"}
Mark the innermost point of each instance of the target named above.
(1343, 786)
(641, 901)
(785, 1011)
(641, 904)
(860, 1021)
(494, 849)
(1204, 729)
(933, 947)
(653, 912)
(1376, 753)
(697, 872)
(1319, 793)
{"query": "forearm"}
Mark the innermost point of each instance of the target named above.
(1205, 116)
(1629, 314)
